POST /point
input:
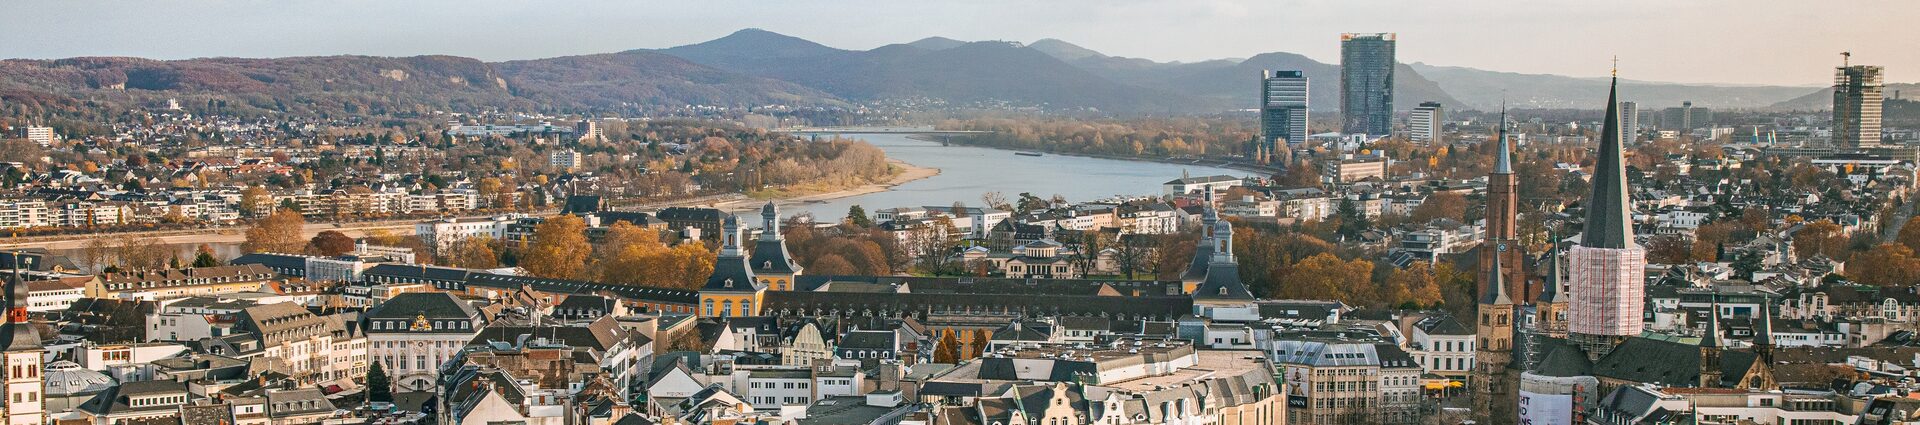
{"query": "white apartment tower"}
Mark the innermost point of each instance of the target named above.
(1629, 123)
(1424, 126)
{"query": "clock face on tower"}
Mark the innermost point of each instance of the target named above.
(1501, 246)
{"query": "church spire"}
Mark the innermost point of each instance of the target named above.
(1711, 338)
(1763, 332)
(1503, 164)
(1222, 233)
(1550, 289)
(1496, 292)
(1607, 208)
(17, 334)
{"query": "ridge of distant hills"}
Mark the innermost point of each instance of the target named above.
(756, 67)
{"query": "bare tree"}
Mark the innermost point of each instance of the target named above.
(933, 242)
(1135, 255)
(1086, 246)
(995, 200)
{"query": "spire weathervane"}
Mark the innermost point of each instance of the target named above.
(1616, 65)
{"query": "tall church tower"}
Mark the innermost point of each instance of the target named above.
(731, 290)
(1503, 209)
(1492, 391)
(770, 262)
(1608, 268)
(1550, 309)
(25, 386)
(1221, 296)
(1710, 349)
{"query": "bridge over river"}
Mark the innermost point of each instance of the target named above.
(878, 130)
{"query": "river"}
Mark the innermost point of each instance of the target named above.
(966, 172)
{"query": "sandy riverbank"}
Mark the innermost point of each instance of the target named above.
(907, 173)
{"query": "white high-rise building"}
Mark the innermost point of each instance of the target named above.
(1424, 126)
(42, 135)
(1857, 102)
(1629, 123)
(564, 159)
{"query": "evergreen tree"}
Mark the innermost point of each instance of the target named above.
(1352, 221)
(857, 216)
(205, 260)
(1747, 262)
(379, 389)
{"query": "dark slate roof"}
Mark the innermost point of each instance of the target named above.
(1442, 324)
(689, 214)
(415, 271)
(277, 261)
(1667, 362)
(770, 256)
(1031, 304)
(869, 340)
(1005, 369)
(631, 292)
(1561, 359)
(1085, 323)
(730, 274)
(1609, 217)
(1222, 275)
(951, 389)
(581, 204)
(1023, 331)
(634, 419)
(32, 259)
(585, 302)
(434, 305)
(114, 400)
(601, 335)
(1197, 269)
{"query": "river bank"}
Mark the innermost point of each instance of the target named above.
(1260, 170)
(904, 173)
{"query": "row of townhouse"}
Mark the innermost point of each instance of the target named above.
(368, 202)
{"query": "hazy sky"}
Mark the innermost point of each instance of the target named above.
(1719, 41)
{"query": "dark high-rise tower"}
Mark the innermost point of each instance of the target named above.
(1283, 110)
(1857, 99)
(1608, 267)
(1366, 83)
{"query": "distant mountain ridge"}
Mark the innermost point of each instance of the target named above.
(933, 68)
(1486, 89)
(367, 84)
(754, 67)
